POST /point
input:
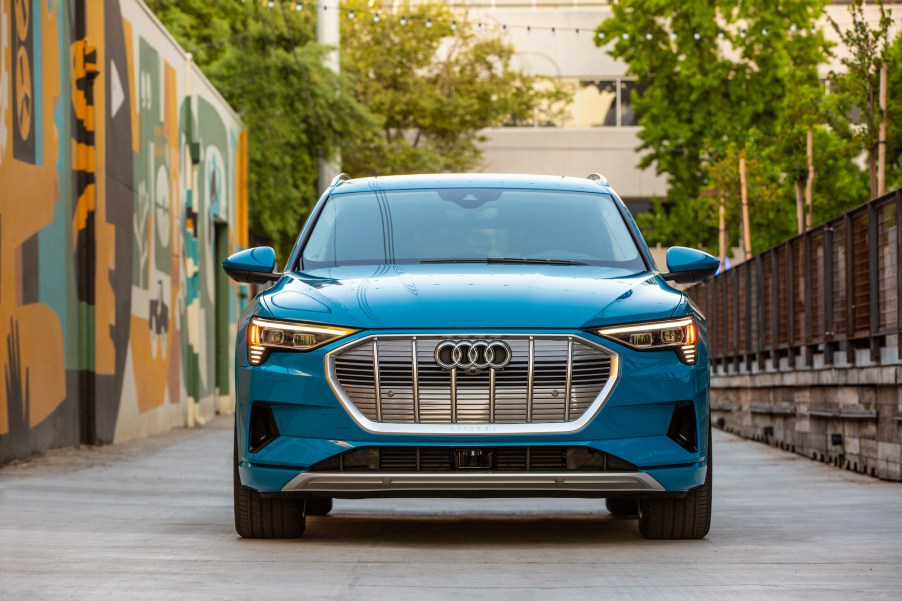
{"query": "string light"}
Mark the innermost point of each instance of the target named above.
(481, 27)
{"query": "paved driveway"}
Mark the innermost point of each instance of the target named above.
(152, 520)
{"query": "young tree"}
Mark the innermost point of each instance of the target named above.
(858, 87)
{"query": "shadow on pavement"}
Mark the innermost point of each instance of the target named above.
(507, 531)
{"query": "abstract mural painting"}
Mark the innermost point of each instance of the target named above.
(121, 187)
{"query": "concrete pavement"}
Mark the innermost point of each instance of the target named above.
(152, 520)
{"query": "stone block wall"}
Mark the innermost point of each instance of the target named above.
(849, 417)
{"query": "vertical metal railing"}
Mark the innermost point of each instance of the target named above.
(834, 289)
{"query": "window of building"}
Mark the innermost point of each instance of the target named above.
(595, 103)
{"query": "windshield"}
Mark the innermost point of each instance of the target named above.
(471, 225)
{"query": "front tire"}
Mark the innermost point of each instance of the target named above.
(679, 519)
(260, 517)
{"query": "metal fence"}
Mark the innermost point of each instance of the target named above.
(832, 290)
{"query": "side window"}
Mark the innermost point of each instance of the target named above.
(350, 229)
(319, 248)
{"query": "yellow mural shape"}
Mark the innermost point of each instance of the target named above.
(33, 332)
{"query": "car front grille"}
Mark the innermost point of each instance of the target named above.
(396, 380)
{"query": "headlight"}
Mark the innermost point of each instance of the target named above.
(681, 335)
(264, 335)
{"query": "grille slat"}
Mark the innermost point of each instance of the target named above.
(548, 380)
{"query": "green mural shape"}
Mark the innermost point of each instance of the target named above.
(153, 165)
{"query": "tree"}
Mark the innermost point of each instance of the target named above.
(858, 87)
(725, 78)
(434, 81)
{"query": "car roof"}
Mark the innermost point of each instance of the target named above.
(469, 180)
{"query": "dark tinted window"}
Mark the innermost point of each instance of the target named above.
(412, 226)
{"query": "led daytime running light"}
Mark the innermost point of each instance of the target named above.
(265, 335)
(680, 335)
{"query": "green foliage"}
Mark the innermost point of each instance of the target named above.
(894, 115)
(433, 88)
(410, 98)
(858, 86)
(266, 64)
(737, 79)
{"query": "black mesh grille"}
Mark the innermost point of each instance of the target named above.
(500, 459)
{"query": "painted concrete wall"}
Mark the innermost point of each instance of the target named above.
(122, 184)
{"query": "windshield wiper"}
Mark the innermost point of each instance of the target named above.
(508, 260)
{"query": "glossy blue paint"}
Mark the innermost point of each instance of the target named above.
(695, 264)
(490, 299)
(261, 259)
(471, 296)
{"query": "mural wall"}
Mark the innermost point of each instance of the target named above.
(122, 186)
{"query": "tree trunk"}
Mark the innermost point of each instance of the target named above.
(722, 230)
(881, 142)
(809, 184)
(800, 206)
(746, 228)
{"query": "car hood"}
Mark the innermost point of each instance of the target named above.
(467, 296)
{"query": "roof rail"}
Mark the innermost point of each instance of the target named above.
(341, 177)
(597, 177)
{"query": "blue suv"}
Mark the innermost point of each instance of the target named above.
(471, 336)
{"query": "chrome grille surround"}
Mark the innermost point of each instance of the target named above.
(409, 394)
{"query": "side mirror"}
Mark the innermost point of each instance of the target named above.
(689, 266)
(252, 266)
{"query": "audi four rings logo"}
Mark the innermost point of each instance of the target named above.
(473, 355)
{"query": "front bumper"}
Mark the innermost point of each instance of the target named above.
(339, 482)
(314, 425)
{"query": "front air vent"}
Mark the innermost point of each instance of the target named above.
(263, 429)
(683, 430)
